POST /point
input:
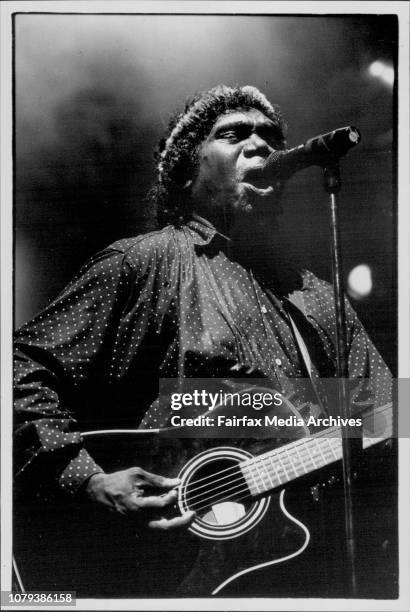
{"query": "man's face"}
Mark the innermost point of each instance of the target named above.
(230, 163)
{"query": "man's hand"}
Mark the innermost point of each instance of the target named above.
(140, 492)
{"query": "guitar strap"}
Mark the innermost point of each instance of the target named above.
(290, 307)
(302, 347)
(307, 361)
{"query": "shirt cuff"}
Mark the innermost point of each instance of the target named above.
(80, 469)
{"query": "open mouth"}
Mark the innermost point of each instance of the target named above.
(257, 182)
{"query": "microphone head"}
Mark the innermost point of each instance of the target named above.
(334, 144)
(280, 165)
(273, 164)
(318, 151)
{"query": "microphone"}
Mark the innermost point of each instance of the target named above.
(318, 151)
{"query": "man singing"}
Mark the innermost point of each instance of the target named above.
(204, 296)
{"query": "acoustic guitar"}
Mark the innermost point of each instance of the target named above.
(265, 525)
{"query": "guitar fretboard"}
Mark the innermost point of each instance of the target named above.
(275, 468)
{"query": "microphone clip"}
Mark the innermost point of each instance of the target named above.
(331, 177)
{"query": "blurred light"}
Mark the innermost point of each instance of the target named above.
(382, 71)
(359, 282)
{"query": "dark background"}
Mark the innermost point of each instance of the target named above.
(93, 94)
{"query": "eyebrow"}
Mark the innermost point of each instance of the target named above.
(238, 122)
(233, 122)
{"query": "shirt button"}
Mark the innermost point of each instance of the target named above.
(278, 361)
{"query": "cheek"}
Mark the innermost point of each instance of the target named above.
(219, 168)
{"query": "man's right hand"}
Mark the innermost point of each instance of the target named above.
(135, 491)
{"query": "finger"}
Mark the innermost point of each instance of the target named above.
(157, 501)
(160, 481)
(174, 523)
(236, 367)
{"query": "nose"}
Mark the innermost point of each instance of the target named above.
(256, 145)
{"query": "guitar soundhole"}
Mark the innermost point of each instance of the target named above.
(214, 487)
(218, 493)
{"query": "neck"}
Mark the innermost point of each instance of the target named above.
(257, 246)
(254, 242)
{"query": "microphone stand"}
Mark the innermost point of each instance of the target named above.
(350, 443)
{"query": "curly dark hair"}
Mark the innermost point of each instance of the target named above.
(177, 154)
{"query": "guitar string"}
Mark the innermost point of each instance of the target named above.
(260, 478)
(327, 453)
(284, 450)
(246, 494)
(280, 450)
(231, 489)
(246, 490)
(255, 470)
(252, 461)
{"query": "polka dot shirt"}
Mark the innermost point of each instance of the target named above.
(168, 304)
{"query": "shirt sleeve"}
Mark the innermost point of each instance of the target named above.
(367, 366)
(55, 354)
(369, 377)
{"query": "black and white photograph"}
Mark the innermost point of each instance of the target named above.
(202, 325)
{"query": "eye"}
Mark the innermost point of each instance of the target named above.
(229, 134)
(234, 133)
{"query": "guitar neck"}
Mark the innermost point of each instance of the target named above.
(275, 468)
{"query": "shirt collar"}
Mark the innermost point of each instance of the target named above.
(202, 230)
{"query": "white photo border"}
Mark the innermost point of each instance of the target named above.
(401, 9)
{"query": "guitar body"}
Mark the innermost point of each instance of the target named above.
(287, 544)
(68, 545)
